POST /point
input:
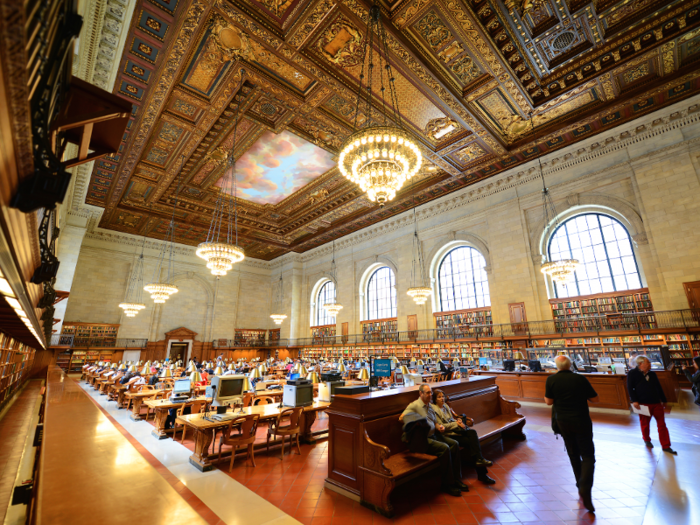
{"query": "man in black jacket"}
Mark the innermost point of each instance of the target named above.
(645, 390)
(570, 394)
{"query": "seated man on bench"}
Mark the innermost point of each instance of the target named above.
(457, 429)
(439, 445)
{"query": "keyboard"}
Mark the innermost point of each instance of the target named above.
(223, 417)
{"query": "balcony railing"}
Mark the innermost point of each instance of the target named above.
(648, 322)
(72, 341)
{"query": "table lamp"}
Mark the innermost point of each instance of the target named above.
(404, 370)
(518, 356)
(114, 365)
(247, 385)
(364, 375)
(166, 372)
(313, 377)
(413, 360)
(303, 372)
(420, 363)
(195, 377)
(342, 368)
(254, 373)
(132, 369)
(191, 368)
(146, 369)
(122, 367)
(218, 371)
(263, 368)
(231, 367)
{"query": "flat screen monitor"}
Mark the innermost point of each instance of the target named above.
(483, 361)
(227, 389)
(292, 377)
(382, 367)
(182, 386)
(509, 365)
(535, 366)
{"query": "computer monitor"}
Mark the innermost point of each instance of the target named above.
(483, 361)
(509, 365)
(292, 377)
(535, 366)
(382, 368)
(182, 386)
(227, 389)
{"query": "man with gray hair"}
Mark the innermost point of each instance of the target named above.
(570, 393)
(645, 389)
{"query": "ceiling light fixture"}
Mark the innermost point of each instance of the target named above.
(219, 250)
(563, 270)
(380, 156)
(279, 300)
(418, 291)
(161, 291)
(132, 304)
(333, 308)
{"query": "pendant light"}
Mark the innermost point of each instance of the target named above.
(333, 308)
(561, 271)
(219, 249)
(162, 290)
(418, 291)
(279, 300)
(381, 155)
(132, 304)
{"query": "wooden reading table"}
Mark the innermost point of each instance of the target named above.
(138, 398)
(205, 430)
(162, 407)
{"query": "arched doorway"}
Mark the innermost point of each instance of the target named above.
(179, 343)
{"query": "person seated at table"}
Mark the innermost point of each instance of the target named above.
(204, 374)
(154, 378)
(136, 380)
(458, 430)
(126, 378)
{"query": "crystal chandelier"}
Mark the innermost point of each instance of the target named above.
(132, 304)
(219, 249)
(278, 318)
(418, 292)
(563, 270)
(162, 290)
(333, 308)
(381, 155)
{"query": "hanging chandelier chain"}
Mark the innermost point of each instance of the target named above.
(390, 74)
(172, 220)
(359, 91)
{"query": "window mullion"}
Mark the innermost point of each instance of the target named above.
(607, 256)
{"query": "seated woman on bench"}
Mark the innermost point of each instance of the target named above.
(457, 429)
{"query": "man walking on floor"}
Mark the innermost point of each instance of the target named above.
(570, 393)
(645, 390)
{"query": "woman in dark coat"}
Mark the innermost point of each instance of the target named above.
(693, 375)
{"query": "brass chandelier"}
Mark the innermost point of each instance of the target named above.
(221, 250)
(132, 304)
(333, 308)
(381, 155)
(418, 291)
(280, 317)
(162, 290)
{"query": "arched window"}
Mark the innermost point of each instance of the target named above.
(325, 295)
(381, 294)
(603, 247)
(462, 280)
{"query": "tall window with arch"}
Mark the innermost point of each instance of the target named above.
(325, 295)
(381, 294)
(462, 280)
(603, 247)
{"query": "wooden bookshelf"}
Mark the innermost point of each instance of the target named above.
(380, 330)
(16, 361)
(570, 313)
(247, 337)
(460, 321)
(274, 334)
(91, 334)
(319, 332)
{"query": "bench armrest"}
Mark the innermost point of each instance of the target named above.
(375, 454)
(509, 408)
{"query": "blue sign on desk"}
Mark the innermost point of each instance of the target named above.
(382, 367)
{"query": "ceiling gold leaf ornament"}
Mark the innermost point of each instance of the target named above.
(441, 128)
(341, 43)
(381, 156)
(231, 41)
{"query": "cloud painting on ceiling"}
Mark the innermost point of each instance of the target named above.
(278, 165)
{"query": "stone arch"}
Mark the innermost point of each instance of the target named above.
(315, 289)
(365, 271)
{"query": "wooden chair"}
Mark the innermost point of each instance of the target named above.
(291, 429)
(160, 395)
(247, 427)
(247, 399)
(195, 408)
(264, 400)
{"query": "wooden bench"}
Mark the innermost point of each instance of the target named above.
(387, 462)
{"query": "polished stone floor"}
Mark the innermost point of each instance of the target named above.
(634, 485)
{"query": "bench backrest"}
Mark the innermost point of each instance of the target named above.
(387, 431)
(481, 407)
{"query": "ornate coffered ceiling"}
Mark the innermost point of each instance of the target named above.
(468, 73)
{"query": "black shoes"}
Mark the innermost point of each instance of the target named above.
(483, 462)
(452, 491)
(462, 486)
(670, 451)
(487, 480)
(587, 502)
(648, 444)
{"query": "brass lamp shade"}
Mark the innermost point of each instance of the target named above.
(166, 373)
(303, 372)
(342, 368)
(562, 352)
(314, 378)
(195, 377)
(218, 371)
(132, 368)
(413, 360)
(404, 370)
(420, 362)
(518, 356)
(231, 367)
(122, 367)
(364, 375)
(146, 370)
(191, 368)
(114, 365)
(255, 374)
(263, 368)
(148, 364)
(247, 385)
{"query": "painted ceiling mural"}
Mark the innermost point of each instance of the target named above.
(469, 73)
